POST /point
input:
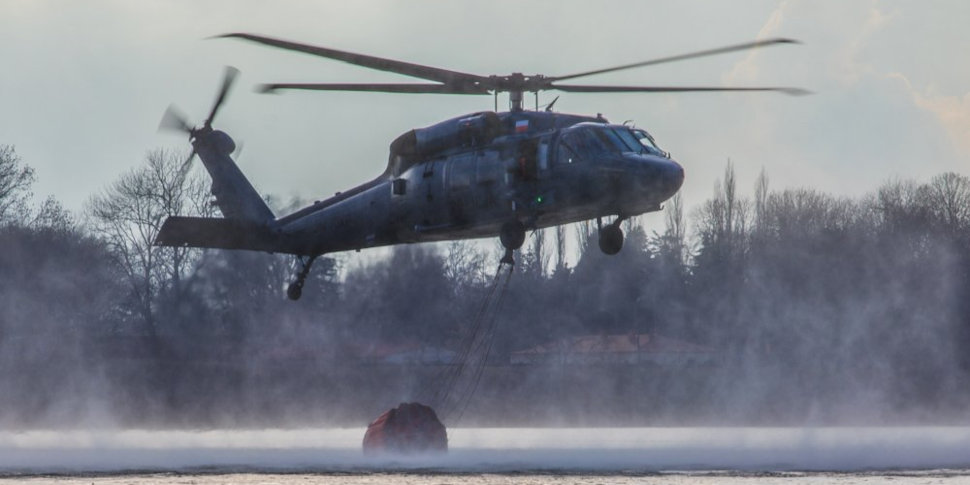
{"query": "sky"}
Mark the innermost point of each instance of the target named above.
(84, 84)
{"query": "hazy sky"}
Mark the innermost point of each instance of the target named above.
(84, 84)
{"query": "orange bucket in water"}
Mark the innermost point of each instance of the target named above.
(409, 428)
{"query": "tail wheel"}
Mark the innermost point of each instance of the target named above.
(512, 235)
(611, 239)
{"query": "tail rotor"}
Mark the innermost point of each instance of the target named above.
(228, 78)
(175, 120)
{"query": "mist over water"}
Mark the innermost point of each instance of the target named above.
(493, 450)
(791, 308)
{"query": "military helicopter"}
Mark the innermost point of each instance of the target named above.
(478, 175)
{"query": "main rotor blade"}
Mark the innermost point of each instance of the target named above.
(692, 55)
(174, 120)
(669, 89)
(381, 64)
(382, 88)
(227, 79)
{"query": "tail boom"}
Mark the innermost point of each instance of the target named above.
(224, 233)
(235, 196)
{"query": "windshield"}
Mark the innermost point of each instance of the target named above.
(616, 141)
(629, 138)
(584, 143)
(588, 142)
(646, 140)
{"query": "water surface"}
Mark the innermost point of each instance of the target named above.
(680, 455)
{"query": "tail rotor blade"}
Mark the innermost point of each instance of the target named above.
(174, 120)
(228, 78)
(186, 166)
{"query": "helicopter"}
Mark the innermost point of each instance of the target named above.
(477, 175)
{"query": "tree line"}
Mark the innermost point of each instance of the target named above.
(817, 306)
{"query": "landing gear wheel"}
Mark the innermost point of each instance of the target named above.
(294, 291)
(611, 239)
(512, 235)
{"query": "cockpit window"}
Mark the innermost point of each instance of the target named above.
(589, 142)
(647, 141)
(584, 143)
(614, 140)
(629, 139)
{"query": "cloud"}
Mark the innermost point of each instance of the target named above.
(748, 69)
(841, 32)
(850, 64)
(863, 125)
(952, 111)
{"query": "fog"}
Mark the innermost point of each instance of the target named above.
(758, 330)
(491, 450)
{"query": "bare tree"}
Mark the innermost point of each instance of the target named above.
(538, 257)
(722, 220)
(949, 195)
(560, 248)
(465, 265)
(675, 233)
(51, 215)
(730, 195)
(15, 181)
(585, 231)
(761, 201)
(129, 214)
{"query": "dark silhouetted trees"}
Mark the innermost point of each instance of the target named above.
(15, 182)
(818, 308)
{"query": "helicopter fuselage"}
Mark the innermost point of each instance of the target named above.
(541, 169)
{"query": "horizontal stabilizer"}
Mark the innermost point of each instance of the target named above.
(219, 233)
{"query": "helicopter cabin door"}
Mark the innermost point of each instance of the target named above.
(527, 158)
(460, 177)
(542, 158)
(490, 182)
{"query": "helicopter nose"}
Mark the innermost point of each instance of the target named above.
(668, 177)
(673, 177)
